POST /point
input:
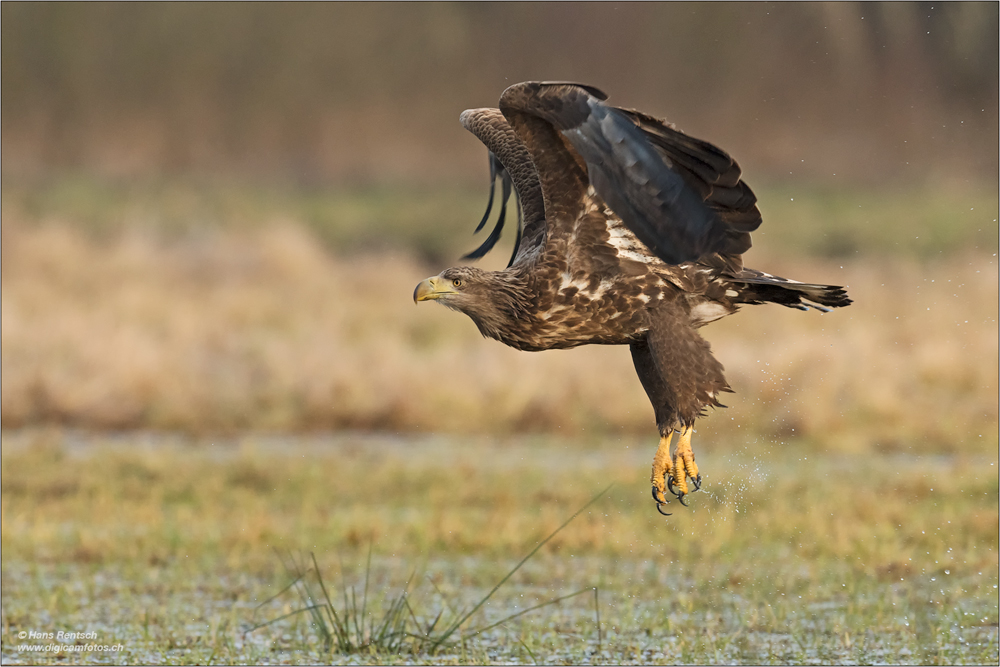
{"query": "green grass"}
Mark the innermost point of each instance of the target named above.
(849, 223)
(789, 554)
(437, 221)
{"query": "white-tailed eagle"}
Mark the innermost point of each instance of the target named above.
(630, 232)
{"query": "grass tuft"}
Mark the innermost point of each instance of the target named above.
(350, 630)
(353, 630)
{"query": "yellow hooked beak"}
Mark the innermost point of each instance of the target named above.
(432, 288)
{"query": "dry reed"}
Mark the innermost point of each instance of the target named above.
(262, 328)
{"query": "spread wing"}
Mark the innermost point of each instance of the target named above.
(710, 172)
(680, 196)
(512, 165)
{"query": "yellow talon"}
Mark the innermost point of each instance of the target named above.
(684, 462)
(662, 468)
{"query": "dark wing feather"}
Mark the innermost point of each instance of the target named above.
(497, 170)
(708, 170)
(653, 201)
(510, 161)
(680, 196)
(520, 231)
(494, 167)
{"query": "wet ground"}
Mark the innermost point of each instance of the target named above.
(779, 587)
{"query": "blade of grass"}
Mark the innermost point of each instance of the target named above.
(300, 576)
(347, 602)
(389, 633)
(444, 600)
(525, 611)
(364, 595)
(280, 618)
(278, 594)
(533, 658)
(597, 614)
(315, 608)
(335, 622)
(430, 626)
(352, 613)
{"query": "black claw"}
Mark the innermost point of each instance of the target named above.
(659, 503)
(696, 483)
(673, 487)
(680, 499)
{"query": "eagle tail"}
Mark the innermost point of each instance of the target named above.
(757, 287)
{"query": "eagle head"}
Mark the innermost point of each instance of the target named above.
(493, 299)
(460, 288)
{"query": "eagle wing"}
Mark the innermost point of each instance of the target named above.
(681, 197)
(512, 165)
(713, 174)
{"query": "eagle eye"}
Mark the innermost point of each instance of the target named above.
(457, 282)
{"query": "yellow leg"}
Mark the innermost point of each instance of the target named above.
(662, 468)
(684, 465)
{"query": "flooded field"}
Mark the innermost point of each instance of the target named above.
(164, 549)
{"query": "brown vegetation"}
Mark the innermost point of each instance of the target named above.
(262, 328)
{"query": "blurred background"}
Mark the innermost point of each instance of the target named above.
(369, 93)
(213, 219)
(214, 214)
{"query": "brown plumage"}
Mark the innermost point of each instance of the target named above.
(630, 233)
